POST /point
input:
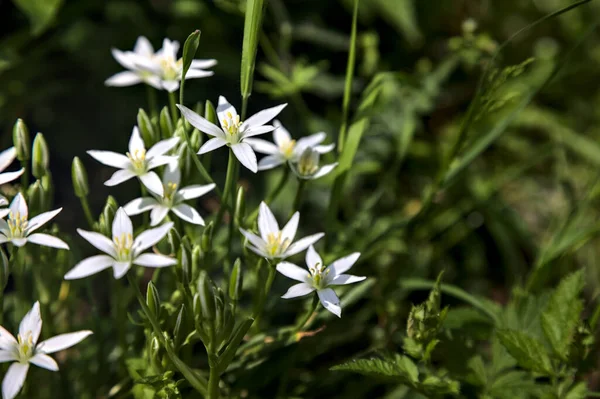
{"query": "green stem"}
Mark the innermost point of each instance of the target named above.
(244, 107)
(152, 102)
(265, 293)
(25, 176)
(273, 195)
(173, 106)
(299, 193)
(229, 181)
(201, 169)
(213, 383)
(86, 210)
(193, 378)
(313, 306)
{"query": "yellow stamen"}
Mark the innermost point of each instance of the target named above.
(276, 245)
(123, 245)
(17, 224)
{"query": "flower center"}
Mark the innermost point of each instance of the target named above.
(232, 125)
(318, 274)
(171, 69)
(308, 164)
(25, 346)
(17, 224)
(287, 148)
(276, 245)
(123, 244)
(170, 190)
(138, 159)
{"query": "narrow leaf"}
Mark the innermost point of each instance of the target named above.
(252, 26)
(189, 52)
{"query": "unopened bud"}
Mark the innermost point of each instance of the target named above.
(21, 140)
(36, 198)
(206, 242)
(153, 299)
(41, 156)
(149, 134)
(236, 281)
(166, 123)
(4, 270)
(308, 164)
(207, 298)
(80, 179)
(210, 114)
(240, 206)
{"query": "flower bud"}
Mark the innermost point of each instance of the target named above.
(308, 164)
(174, 241)
(21, 140)
(166, 123)
(196, 141)
(149, 134)
(107, 216)
(207, 298)
(41, 156)
(209, 113)
(4, 270)
(153, 299)
(36, 198)
(236, 281)
(80, 179)
(179, 332)
(240, 206)
(206, 242)
(196, 259)
(183, 257)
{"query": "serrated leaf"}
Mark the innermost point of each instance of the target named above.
(560, 319)
(511, 384)
(527, 351)
(401, 368)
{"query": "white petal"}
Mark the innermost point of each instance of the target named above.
(289, 230)
(262, 117)
(257, 130)
(19, 242)
(135, 141)
(101, 242)
(152, 183)
(267, 224)
(7, 340)
(89, 266)
(298, 290)
(313, 258)
(212, 144)
(44, 361)
(170, 85)
(225, 110)
(262, 146)
(158, 214)
(243, 152)
(270, 162)
(324, 149)
(121, 224)
(162, 147)
(195, 191)
(139, 205)
(8, 355)
(123, 79)
(310, 141)
(324, 170)
(19, 206)
(172, 174)
(302, 244)
(281, 134)
(4, 212)
(343, 264)
(63, 341)
(161, 160)
(7, 157)
(330, 301)
(110, 158)
(38, 221)
(10, 176)
(150, 237)
(294, 272)
(259, 252)
(143, 46)
(13, 380)
(253, 238)
(47, 240)
(32, 323)
(344, 279)
(188, 214)
(203, 64)
(200, 123)
(123, 58)
(198, 73)
(120, 269)
(119, 177)
(154, 260)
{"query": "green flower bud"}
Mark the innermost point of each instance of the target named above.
(236, 281)
(80, 179)
(41, 156)
(207, 298)
(196, 141)
(166, 123)
(153, 299)
(308, 164)
(21, 140)
(183, 257)
(149, 134)
(179, 332)
(196, 259)
(206, 242)
(210, 114)
(240, 206)
(4, 270)
(107, 216)
(36, 198)
(174, 241)
(47, 186)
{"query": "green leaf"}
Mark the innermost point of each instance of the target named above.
(401, 367)
(252, 26)
(236, 338)
(513, 384)
(560, 319)
(579, 391)
(189, 52)
(41, 13)
(527, 351)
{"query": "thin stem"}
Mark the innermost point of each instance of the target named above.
(199, 166)
(244, 107)
(25, 176)
(213, 383)
(264, 294)
(299, 193)
(229, 181)
(152, 102)
(86, 210)
(313, 306)
(273, 195)
(173, 106)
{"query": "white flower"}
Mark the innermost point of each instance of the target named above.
(17, 230)
(307, 167)
(232, 131)
(319, 278)
(23, 350)
(274, 243)
(123, 250)
(161, 70)
(172, 199)
(138, 162)
(6, 158)
(285, 149)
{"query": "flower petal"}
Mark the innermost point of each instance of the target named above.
(198, 73)
(8, 356)
(160, 160)
(291, 227)
(154, 260)
(200, 123)
(203, 64)
(243, 152)
(343, 264)
(324, 149)
(47, 240)
(123, 79)
(119, 177)
(19, 206)
(101, 242)
(225, 111)
(188, 214)
(7, 157)
(330, 301)
(262, 146)
(140, 205)
(310, 141)
(262, 117)
(121, 224)
(10, 176)
(313, 258)
(162, 147)
(19, 242)
(158, 214)
(89, 266)
(281, 135)
(172, 174)
(38, 221)
(7, 340)
(212, 144)
(143, 46)
(270, 162)
(110, 158)
(195, 191)
(170, 85)
(152, 183)
(294, 272)
(44, 361)
(324, 170)
(253, 238)
(63, 341)
(120, 269)
(14, 379)
(32, 323)
(298, 290)
(267, 224)
(257, 130)
(344, 279)
(303, 243)
(259, 252)
(123, 58)
(150, 237)
(136, 144)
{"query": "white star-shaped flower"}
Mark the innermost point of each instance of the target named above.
(129, 60)
(274, 243)
(233, 132)
(138, 162)
(308, 168)
(123, 251)
(319, 278)
(6, 158)
(173, 199)
(17, 230)
(285, 149)
(25, 350)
